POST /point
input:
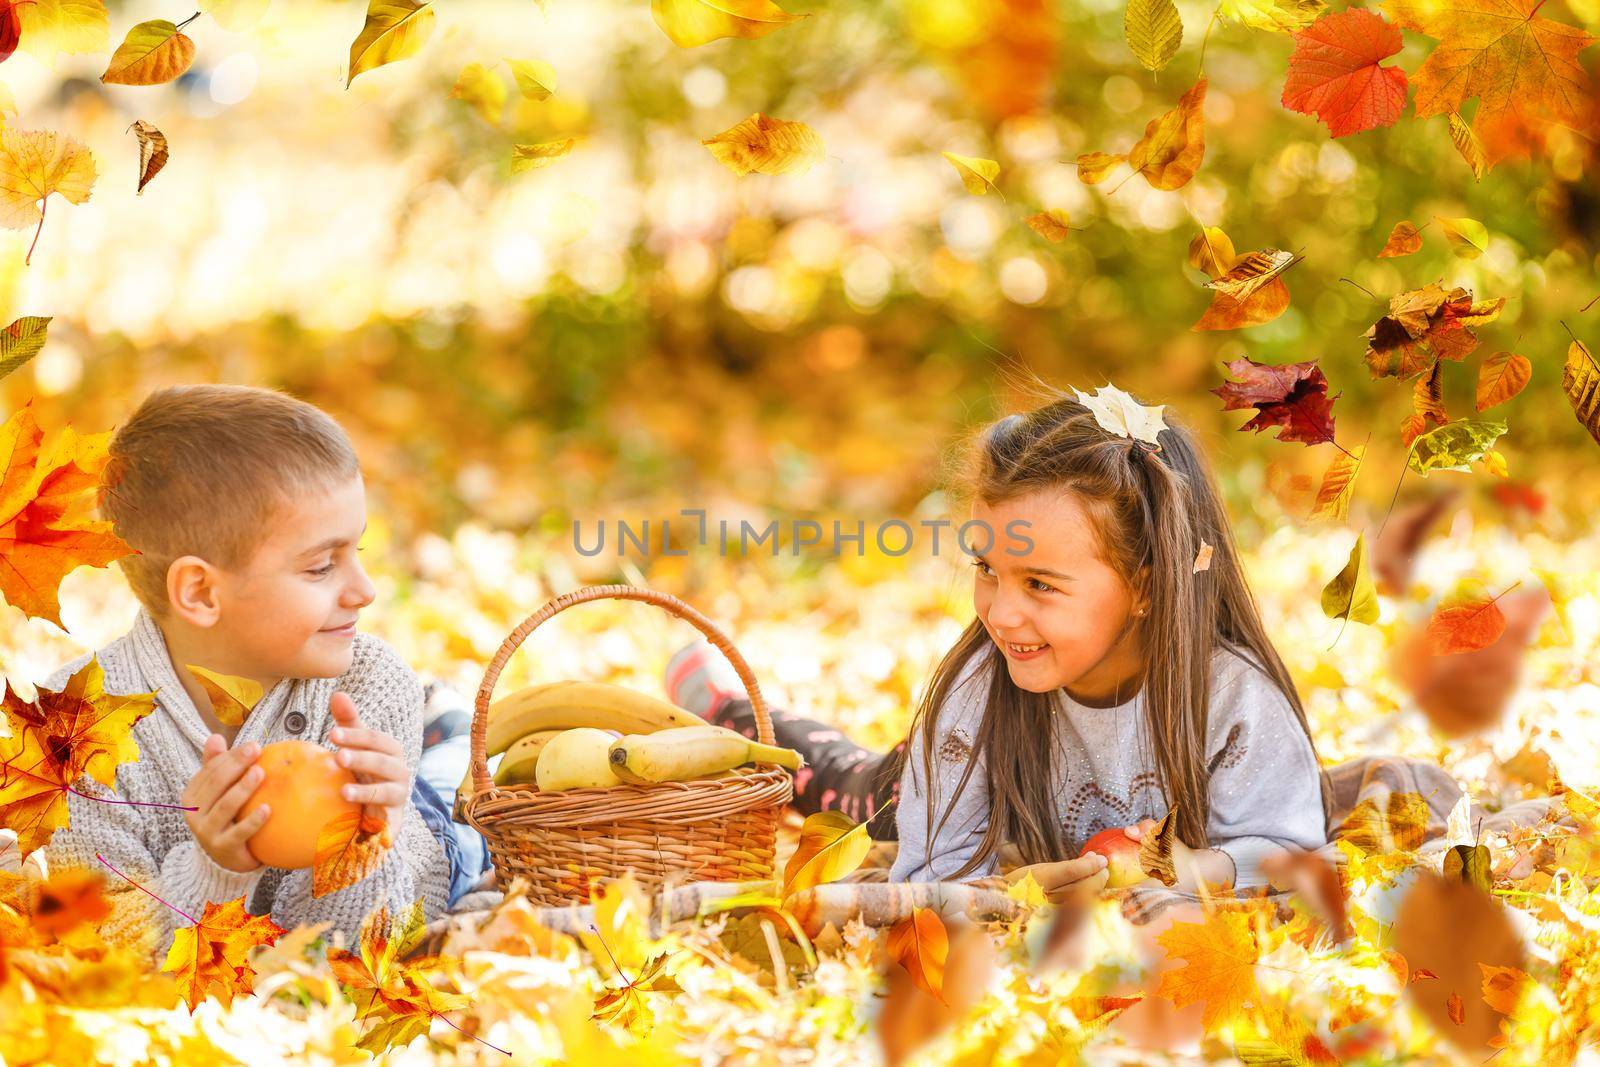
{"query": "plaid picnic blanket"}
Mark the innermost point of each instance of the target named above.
(1366, 783)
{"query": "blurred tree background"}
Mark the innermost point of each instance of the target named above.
(633, 327)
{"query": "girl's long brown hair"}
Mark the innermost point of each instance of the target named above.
(1150, 510)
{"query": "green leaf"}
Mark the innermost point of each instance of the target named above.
(1454, 446)
(21, 341)
(1468, 238)
(1279, 16)
(1153, 30)
(1351, 595)
(1470, 864)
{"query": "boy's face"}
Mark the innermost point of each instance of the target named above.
(290, 610)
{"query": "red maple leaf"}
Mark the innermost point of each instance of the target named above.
(1293, 397)
(1335, 75)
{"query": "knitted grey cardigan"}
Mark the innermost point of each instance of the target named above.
(155, 845)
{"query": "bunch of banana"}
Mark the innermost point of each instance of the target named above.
(686, 752)
(553, 707)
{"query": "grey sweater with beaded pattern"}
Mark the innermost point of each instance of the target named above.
(1265, 790)
(155, 845)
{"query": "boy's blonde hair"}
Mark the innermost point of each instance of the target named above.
(201, 469)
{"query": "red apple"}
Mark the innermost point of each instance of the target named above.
(1122, 857)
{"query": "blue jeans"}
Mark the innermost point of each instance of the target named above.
(439, 771)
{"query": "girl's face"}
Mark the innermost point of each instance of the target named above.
(1060, 614)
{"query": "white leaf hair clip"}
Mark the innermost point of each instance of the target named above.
(1119, 413)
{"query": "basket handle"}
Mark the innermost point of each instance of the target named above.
(480, 713)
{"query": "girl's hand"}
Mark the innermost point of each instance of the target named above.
(377, 760)
(1140, 828)
(1073, 881)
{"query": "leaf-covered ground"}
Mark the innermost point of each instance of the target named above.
(850, 641)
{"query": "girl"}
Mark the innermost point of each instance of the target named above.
(1104, 680)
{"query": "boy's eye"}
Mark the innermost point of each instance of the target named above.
(983, 568)
(320, 571)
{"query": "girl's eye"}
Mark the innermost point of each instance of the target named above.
(321, 571)
(983, 568)
(1041, 586)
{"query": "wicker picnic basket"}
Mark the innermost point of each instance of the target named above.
(721, 829)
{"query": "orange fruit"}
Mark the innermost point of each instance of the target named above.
(304, 787)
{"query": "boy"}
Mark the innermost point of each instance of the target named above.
(246, 506)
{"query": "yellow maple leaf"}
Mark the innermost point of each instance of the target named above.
(34, 164)
(48, 28)
(1220, 957)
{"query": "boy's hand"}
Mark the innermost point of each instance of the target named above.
(377, 760)
(227, 778)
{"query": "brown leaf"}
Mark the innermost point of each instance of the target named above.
(1501, 377)
(1173, 145)
(1403, 240)
(1253, 270)
(1580, 381)
(152, 151)
(1226, 313)
(1155, 849)
(1338, 486)
(1423, 326)
(1051, 225)
(1450, 929)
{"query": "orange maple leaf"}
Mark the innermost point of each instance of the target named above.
(56, 739)
(1522, 68)
(350, 846)
(48, 493)
(1220, 957)
(397, 994)
(920, 944)
(212, 955)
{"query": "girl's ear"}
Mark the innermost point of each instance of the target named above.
(1141, 592)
